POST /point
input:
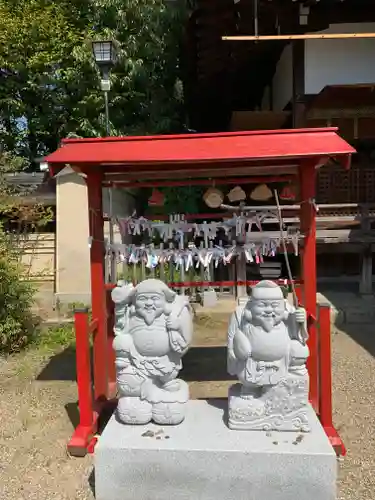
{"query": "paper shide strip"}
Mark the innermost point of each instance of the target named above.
(178, 226)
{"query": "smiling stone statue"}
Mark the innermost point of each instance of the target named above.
(153, 328)
(267, 351)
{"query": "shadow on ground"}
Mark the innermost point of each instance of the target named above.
(357, 316)
(205, 364)
(199, 363)
(73, 413)
(91, 481)
(61, 366)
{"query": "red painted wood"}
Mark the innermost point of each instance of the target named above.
(110, 351)
(325, 366)
(169, 137)
(79, 443)
(93, 326)
(98, 299)
(308, 269)
(194, 148)
(200, 182)
(224, 284)
(298, 290)
(160, 170)
(83, 364)
(335, 440)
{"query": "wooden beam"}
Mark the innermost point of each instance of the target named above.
(365, 285)
(345, 235)
(329, 113)
(298, 61)
(305, 36)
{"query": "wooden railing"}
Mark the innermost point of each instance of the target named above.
(325, 378)
(91, 407)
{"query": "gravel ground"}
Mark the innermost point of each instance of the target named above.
(35, 425)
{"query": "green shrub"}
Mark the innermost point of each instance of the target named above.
(16, 299)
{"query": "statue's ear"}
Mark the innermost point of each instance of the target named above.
(131, 296)
(246, 314)
(287, 310)
(132, 309)
(168, 308)
(170, 295)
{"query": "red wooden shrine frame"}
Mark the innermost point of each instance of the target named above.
(226, 158)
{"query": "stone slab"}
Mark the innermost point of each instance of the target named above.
(202, 459)
(210, 299)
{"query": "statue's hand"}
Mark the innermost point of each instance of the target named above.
(173, 323)
(241, 346)
(300, 315)
(122, 343)
(120, 293)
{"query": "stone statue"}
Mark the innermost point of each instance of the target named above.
(153, 330)
(267, 351)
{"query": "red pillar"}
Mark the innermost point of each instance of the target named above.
(98, 298)
(112, 389)
(325, 377)
(308, 268)
(325, 366)
(83, 368)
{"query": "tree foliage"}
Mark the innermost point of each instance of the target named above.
(16, 292)
(49, 84)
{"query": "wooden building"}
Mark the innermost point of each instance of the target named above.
(323, 77)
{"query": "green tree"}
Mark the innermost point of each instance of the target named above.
(49, 85)
(16, 291)
(36, 41)
(147, 92)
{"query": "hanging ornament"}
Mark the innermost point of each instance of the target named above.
(213, 197)
(288, 193)
(156, 199)
(236, 194)
(261, 193)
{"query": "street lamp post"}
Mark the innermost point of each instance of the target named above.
(105, 57)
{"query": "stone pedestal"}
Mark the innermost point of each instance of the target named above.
(281, 408)
(202, 459)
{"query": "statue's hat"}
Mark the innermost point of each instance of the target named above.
(154, 286)
(266, 289)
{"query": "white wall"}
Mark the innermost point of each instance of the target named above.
(282, 89)
(328, 62)
(340, 62)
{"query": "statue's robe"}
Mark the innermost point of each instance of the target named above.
(271, 352)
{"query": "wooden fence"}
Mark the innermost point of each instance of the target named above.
(37, 254)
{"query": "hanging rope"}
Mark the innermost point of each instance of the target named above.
(285, 250)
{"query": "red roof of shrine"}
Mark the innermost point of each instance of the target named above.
(255, 148)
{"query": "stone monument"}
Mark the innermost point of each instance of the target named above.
(267, 351)
(153, 330)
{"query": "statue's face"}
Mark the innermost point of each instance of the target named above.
(267, 312)
(150, 306)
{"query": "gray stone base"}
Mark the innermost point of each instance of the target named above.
(202, 459)
(282, 407)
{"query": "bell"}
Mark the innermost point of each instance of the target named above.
(261, 193)
(236, 194)
(287, 193)
(213, 198)
(156, 199)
